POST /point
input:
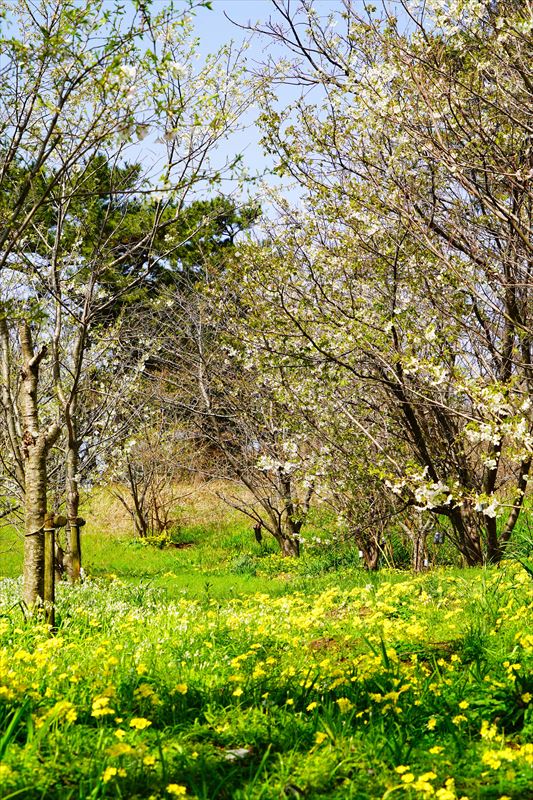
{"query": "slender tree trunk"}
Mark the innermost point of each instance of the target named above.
(290, 528)
(36, 444)
(35, 503)
(420, 553)
(417, 533)
(14, 433)
(496, 550)
(140, 517)
(49, 569)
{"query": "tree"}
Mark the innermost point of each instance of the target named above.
(145, 475)
(80, 87)
(155, 433)
(408, 261)
(345, 461)
(225, 410)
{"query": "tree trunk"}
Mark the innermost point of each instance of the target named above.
(73, 554)
(467, 531)
(371, 557)
(14, 435)
(290, 547)
(138, 512)
(36, 444)
(494, 550)
(49, 569)
(420, 553)
(496, 547)
(35, 502)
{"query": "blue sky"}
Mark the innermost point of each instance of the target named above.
(214, 29)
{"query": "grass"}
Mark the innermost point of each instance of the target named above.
(220, 670)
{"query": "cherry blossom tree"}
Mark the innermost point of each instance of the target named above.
(406, 262)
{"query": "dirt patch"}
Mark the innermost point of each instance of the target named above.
(325, 643)
(178, 545)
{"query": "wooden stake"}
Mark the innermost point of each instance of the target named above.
(49, 569)
(75, 544)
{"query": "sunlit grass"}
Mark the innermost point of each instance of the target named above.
(416, 687)
(219, 670)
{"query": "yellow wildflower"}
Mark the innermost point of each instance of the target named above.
(488, 731)
(109, 773)
(176, 789)
(101, 707)
(344, 705)
(445, 794)
(119, 749)
(422, 786)
(139, 723)
(491, 760)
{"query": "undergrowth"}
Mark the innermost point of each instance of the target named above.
(414, 687)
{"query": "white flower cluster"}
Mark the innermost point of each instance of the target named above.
(483, 432)
(269, 464)
(489, 509)
(429, 495)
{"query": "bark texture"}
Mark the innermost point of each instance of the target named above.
(36, 444)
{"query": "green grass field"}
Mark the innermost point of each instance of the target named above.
(220, 670)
